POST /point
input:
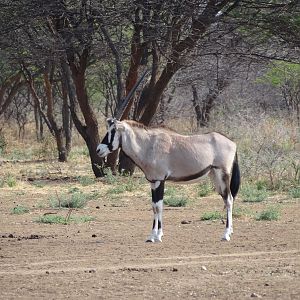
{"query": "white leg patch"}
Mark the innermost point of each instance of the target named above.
(229, 228)
(157, 231)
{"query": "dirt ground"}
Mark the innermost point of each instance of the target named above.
(109, 259)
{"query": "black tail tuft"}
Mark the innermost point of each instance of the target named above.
(235, 177)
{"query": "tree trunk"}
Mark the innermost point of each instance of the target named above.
(89, 132)
(66, 116)
(38, 124)
(58, 131)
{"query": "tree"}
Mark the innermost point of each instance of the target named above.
(286, 77)
(126, 35)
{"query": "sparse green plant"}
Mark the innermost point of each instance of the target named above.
(270, 214)
(130, 185)
(173, 198)
(109, 177)
(2, 182)
(213, 215)
(241, 212)
(19, 210)
(10, 180)
(47, 148)
(204, 189)
(119, 189)
(74, 189)
(295, 192)
(3, 143)
(251, 193)
(74, 200)
(261, 185)
(85, 180)
(170, 191)
(56, 219)
(38, 184)
(175, 201)
(78, 151)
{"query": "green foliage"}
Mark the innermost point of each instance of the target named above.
(10, 180)
(281, 72)
(270, 214)
(213, 215)
(73, 200)
(2, 182)
(56, 219)
(175, 201)
(47, 148)
(241, 212)
(85, 180)
(204, 189)
(253, 193)
(79, 151)
(3, 143)
(19, 210)
(109, 177)
(130, 184)
(118, 189)
(173, 198)
(38, 184)
(295, 192)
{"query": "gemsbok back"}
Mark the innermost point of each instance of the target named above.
(164, 155)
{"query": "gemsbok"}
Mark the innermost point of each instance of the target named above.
(164, 155)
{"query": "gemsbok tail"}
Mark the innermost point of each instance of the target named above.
(235, 177)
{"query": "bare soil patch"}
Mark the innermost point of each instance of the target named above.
(109, 259)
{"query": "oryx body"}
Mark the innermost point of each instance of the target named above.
(164, 155)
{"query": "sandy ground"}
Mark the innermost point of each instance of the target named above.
(109, 259)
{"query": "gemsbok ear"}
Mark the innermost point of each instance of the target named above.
(119, 126)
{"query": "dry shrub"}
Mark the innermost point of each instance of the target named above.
(268, 145)
(46, 148)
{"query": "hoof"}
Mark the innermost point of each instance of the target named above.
(154, 239)
(226, 238)
(150, 241)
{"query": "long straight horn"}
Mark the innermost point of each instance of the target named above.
(125, 102)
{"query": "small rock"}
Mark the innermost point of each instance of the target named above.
(47, 272)
(98, 207)
(174, 269)
(10, 235)
(94, 235)
(203, 268)
(254, 295)
(186, 222)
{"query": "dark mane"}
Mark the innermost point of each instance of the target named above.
(140, 125)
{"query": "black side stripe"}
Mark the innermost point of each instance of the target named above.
(193, 176)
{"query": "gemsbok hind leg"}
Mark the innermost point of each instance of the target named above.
(157, 190)
(222, 185)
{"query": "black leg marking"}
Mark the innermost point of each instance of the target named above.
(158, 193)
(159, 225)
(227, 221)
(153, 226)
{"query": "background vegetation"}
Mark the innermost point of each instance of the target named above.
(230, 66)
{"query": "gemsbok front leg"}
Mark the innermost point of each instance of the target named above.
(157, 189)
